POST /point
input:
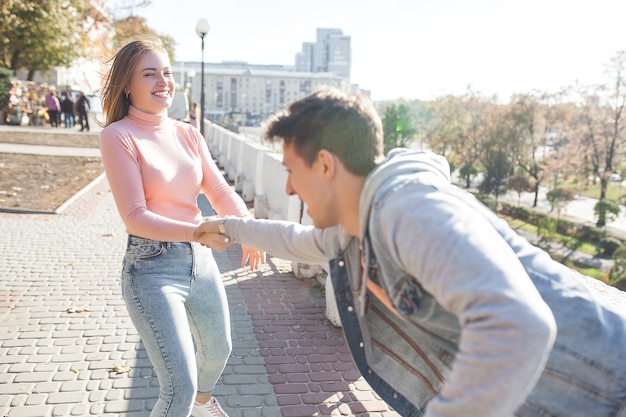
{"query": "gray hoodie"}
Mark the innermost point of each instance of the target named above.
(488, 324)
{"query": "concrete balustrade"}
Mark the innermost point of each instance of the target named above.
(257, 167)
(261, 174)
(258, 174)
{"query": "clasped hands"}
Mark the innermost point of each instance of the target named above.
(207, 233)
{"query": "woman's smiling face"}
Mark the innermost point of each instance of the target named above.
(152, 85)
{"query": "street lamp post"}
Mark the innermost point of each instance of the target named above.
(202, 28)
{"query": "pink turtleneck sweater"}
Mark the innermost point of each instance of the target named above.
(156, 167)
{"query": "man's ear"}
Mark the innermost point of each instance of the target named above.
(327, 163)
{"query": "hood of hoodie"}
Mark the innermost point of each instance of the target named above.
(399, 162)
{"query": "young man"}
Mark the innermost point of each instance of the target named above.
(447, 311)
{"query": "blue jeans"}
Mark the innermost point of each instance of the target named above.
(177, 302)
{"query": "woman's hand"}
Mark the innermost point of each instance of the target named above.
(207, 233)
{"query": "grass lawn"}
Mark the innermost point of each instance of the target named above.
(587, 247)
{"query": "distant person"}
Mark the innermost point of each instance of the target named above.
(53, 107)
(194, 115)
(447, 311)
(82, 107)
(67, 108)
(156, 167)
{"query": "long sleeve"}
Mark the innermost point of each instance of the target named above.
(286, 240)
(220, 194)
(156, 168)
(458, 257)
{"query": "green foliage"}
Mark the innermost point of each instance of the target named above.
(608, 245)
(497, 166)
(5, 87)
(574, 229)
(617, 274)
(605, 211)
(135, 26)
(559, 197)
(547, 230)
(40, 34)
(468, 171)
(398, 127)
(519, 183)
(584, 269)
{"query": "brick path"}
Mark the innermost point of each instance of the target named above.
(287, 359)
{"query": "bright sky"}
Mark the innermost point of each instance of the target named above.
(416, 49)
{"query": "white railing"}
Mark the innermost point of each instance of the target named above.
(258, 174)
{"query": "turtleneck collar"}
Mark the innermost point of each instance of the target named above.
(157, 120)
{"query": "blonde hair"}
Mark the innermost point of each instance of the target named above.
(115, 102)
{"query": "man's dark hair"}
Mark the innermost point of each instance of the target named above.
(345, 124)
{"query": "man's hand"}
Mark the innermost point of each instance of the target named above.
(208, 234)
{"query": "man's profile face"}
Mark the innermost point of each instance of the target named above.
(310, 185)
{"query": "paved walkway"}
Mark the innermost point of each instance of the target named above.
(48, 150)
(64, 329)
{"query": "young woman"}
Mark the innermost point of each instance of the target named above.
(172, 287)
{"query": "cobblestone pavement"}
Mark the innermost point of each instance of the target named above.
(65, 337)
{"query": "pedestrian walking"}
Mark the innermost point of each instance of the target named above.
(67, 108)
(82, 107)
(447, 311)
(54, 107)
(194, 115)
(156, 167)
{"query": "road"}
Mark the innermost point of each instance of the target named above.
(581, 209)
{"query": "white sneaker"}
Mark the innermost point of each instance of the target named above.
(210, 409)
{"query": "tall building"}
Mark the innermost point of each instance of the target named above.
(304, 59)
(330, 53)
(248, 93)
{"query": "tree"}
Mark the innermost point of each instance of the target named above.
(559, 197)
(457, 129)
(524, 113)
(135, 26)
(446, 125)
(5, 88)
(600, 126)
(519, 183)
(617, 275)
(468, 147)
(605, 211)
(398, 127)
(467, 172)
(497, 169)
(496, 155)
(40, 34)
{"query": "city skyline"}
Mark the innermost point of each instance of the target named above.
(414, 50)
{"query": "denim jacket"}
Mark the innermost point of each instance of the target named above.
(473, 320)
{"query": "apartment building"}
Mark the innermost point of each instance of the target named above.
(245, 93)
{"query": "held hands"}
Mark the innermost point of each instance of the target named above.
(207, 233)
